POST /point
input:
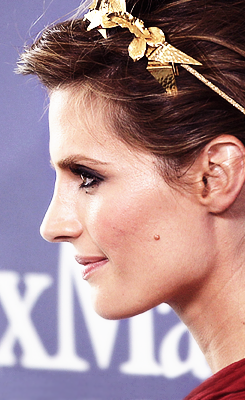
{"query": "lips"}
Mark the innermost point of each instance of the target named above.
(90, 264)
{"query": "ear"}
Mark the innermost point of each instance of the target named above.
(221, 168)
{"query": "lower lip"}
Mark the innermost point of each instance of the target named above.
(91, 268)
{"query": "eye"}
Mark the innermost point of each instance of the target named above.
(88, 177)
(88, 180)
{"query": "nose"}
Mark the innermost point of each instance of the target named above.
(61, 222)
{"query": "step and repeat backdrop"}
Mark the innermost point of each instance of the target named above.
(52, 344)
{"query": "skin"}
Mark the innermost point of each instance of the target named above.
(193, 266)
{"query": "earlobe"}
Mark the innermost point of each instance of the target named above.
(223, 173)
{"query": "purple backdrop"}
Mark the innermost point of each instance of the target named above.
(52, 344)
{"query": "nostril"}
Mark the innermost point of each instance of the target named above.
(59, 239)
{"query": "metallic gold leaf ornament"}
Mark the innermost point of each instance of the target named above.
(168, 54)
(100, 8)
(149, 42)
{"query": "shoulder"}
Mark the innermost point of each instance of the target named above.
(227, 384)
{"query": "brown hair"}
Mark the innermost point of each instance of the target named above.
(172, 127)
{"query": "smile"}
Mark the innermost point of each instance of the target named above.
(90, 265)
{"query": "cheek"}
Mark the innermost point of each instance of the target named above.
(130, 220)
(123, 217)
(115, 221)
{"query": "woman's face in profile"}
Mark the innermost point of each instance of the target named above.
(138, 238)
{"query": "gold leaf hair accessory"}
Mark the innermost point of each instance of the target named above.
(149, 42)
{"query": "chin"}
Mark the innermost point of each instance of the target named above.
(115, 309)
(111, 311)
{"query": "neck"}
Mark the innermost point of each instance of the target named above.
(216, 317)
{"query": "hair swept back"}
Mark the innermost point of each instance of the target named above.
(174, 128)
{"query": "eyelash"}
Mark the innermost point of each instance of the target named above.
(85, 174)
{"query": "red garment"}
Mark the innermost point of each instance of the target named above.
(227, 384)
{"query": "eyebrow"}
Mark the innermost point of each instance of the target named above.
(74, 160)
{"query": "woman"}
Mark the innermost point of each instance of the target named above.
(150, 168)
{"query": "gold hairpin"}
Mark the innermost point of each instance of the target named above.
(149, 42)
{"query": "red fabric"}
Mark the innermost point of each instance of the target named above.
(227, 384)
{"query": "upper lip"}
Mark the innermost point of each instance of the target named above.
(89, 260)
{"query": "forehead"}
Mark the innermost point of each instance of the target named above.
(81, 122)
(71, 107)
(79, 118)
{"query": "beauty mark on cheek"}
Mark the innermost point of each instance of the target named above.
(157, 237)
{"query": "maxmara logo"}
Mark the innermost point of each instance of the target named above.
(103, 334)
